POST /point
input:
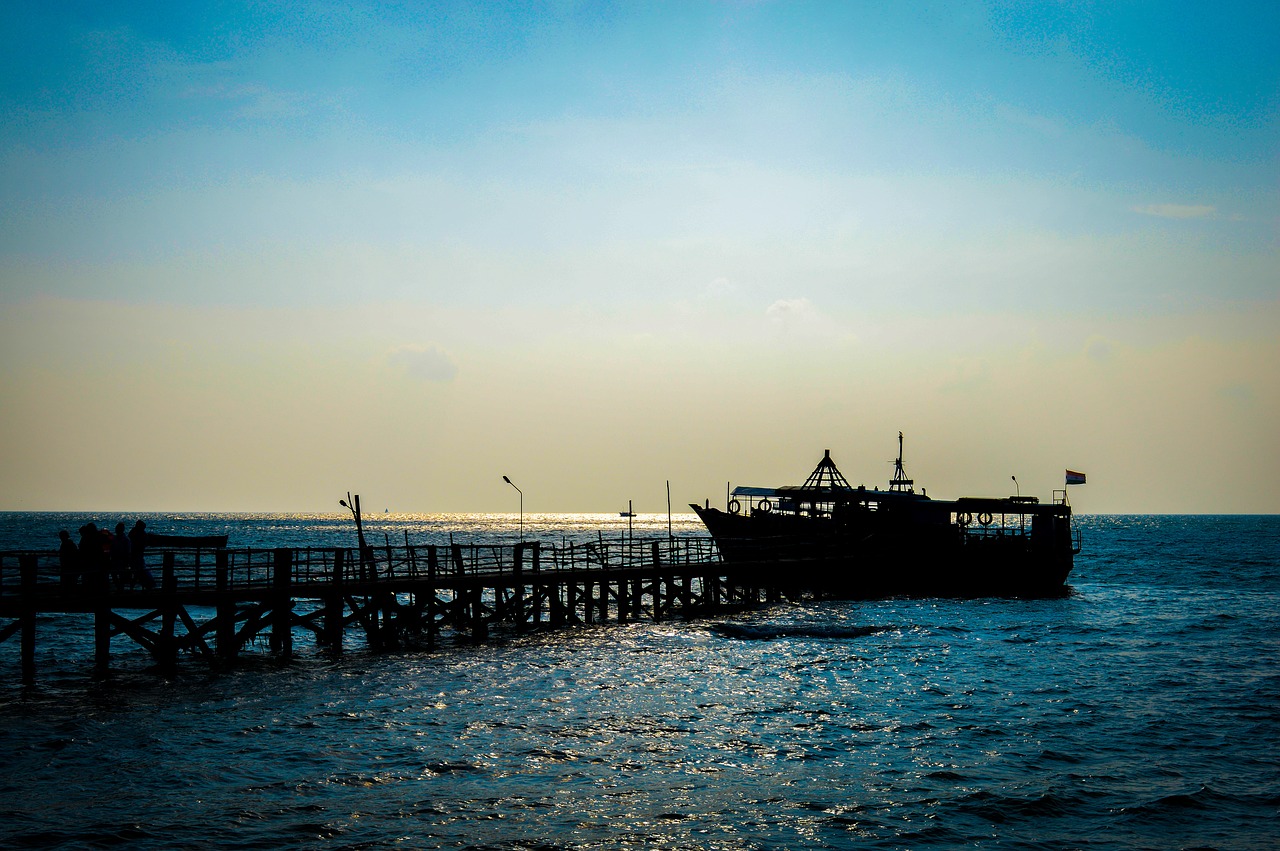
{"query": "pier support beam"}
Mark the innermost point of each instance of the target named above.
(27, 583)
(333, 604)
(518, 613)
(100, 583)
(479, 626)
(226, 607)
(433, 570)
(166, 650)
(282, 604)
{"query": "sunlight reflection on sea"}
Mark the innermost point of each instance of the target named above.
(1128, 714)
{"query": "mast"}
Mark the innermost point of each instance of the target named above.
(900, 483)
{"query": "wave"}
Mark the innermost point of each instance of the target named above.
(768, 632)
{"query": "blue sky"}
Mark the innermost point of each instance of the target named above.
(1003, 206)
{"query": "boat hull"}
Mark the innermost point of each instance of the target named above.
(888, 558)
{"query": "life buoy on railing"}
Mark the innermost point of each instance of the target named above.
(964, 519)
(734, 506)
(764, 505)
(985, 518)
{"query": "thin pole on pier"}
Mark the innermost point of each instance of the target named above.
(513, 484)
(669, 535)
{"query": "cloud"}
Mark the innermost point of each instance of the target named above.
(1099, 350)
(1178, 211)
(720, 286)
(1242, 392)
(425, 363)
(786, 310)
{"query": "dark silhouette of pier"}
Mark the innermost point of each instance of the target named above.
(216, 604)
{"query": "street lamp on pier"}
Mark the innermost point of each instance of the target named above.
(513, 484)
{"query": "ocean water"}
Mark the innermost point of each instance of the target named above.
(1141, 711)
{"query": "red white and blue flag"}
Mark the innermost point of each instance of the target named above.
(1074, 478)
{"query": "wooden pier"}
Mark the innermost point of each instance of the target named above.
(218, 604)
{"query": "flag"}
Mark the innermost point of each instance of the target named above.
(1074, 478)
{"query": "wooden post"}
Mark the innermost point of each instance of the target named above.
(27, 583)
(167, 646)
(556, 603)
(282, 603)
(100, 582)
(479, 626)
(537, 590)
(624, 601)
(333, 603)
(433, 569)
(517, 604)
(226, 632)
(655, 588)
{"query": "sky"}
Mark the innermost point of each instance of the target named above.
(254, 256)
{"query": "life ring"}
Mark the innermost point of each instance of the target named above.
(734, 506)
(764, 505)
(964, 519)
(985, 518)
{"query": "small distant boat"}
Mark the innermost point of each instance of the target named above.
(829, 538)
(626, 514)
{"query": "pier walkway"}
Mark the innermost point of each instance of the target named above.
(216, 604)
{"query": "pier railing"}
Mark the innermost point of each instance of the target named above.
(260, 569)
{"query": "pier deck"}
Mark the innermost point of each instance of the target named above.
(214, 604)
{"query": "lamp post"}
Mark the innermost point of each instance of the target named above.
(513, 484)
(353, 505)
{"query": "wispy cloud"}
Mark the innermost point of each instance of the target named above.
(1178, 211)
(425, 363)
(790, 309)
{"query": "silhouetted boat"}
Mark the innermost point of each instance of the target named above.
(830, 538)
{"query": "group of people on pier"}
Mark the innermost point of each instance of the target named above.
(101, 557)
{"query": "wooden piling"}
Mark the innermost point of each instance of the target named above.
(226, 607)
(333, 604)
(282, 603)
(433, 570)
(27, 587)
(166, 649)
(517, 596)
(100, 583)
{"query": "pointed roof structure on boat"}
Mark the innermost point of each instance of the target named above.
(826, 476)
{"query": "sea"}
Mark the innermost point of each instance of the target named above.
(1142, 710)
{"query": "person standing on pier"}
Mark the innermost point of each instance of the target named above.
(92, 558)
(120, 572)
(68, 561)
(137, 565)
